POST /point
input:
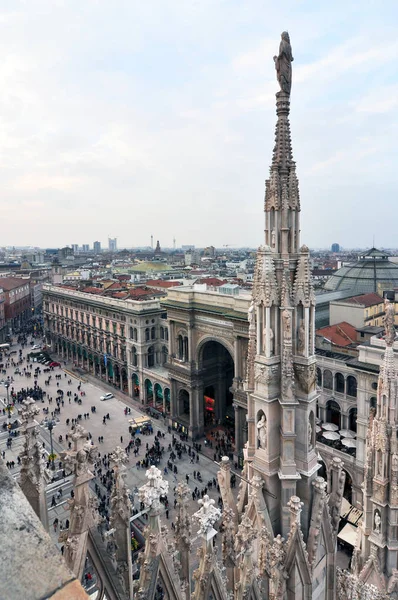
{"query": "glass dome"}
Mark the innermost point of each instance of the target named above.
(373, 272)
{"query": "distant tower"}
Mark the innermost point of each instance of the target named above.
(97, 247)
(112, 244)
(174, 243)
(335, 248)
(152, 242)
(158, 249)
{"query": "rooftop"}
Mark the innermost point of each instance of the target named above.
(342, 334)
(365, 300)
(11, 283)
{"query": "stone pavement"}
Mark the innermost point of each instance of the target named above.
(115, 429)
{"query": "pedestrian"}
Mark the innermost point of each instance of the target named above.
(167, 513)
(53, 502)
(121, 439)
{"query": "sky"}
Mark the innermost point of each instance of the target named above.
(131, 118)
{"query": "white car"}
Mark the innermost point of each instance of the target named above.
(36, 347)
(107, 396)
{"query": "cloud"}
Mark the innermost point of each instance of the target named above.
(139, 118)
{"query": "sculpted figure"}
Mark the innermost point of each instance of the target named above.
(309, 435)
(287, 322)
(377, 522)
(262, 432)
(283, 64)
(273, 238)
(271, 339)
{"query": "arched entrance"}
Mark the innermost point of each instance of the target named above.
(352, 419)
(136, 385)
(158, 397)
(124, 381)
(333, 413)
(167, 400)
(183, 403)
(148, 392)
(217, 368)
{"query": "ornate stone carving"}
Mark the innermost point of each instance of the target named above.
(389, 322)
(207, 515)
(277, 584)
(156, 487)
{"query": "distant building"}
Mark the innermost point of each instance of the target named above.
(373, 272)
(97, 247)
(158, 249)
(192, 257)
(335, 248)
(75, 247)
(112, 244)
(65, 254)
(86, 248)
(3, 330)
(17, 301)
(359, 311)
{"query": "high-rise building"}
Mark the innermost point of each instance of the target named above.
(75, 247)
(112, 244)
(335, 248)
(97, 247)
(85, 248)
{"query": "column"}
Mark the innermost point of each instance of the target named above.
(268, 330)
(130, 382)
(236, 358)
(258, 330)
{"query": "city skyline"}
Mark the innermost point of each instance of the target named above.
(136, 116)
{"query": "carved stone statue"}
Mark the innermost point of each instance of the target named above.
(273, 239)
(301, 338)
(287, 322)
(262, 432)
(283, 63)
(271, 339)
(377, 522)
(309, 435)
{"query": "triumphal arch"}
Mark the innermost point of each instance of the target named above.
(207, 360)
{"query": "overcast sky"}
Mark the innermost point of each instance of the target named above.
(129, 118)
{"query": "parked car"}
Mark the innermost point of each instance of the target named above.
(107, 396)
(55, 364)
(36, 347)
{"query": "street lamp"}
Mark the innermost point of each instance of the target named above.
(7, 385)
(50, 427)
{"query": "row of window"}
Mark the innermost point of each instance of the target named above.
(150, 333)
(338, 383)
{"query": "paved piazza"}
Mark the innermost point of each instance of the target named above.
(116, 427)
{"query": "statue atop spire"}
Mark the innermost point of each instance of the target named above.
(283, 64)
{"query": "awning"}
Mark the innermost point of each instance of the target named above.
(350, 513)
(348, 534)
(345, 508)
